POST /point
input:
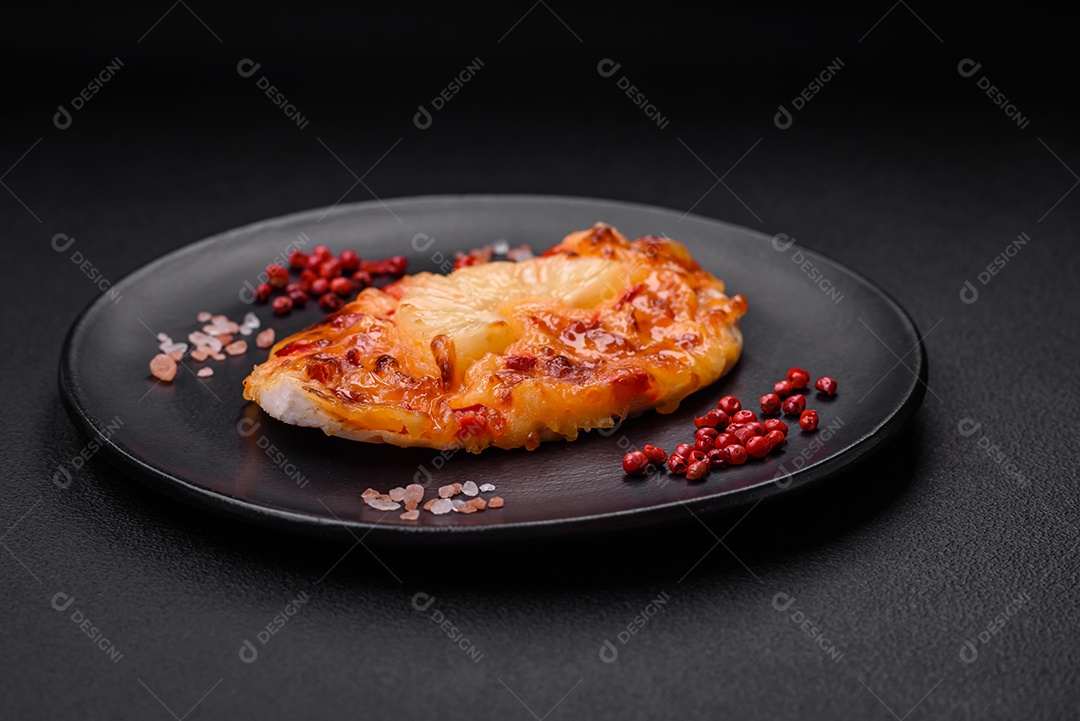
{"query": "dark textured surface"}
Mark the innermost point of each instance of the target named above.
(900, 168)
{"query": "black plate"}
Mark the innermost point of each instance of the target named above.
(185, 438)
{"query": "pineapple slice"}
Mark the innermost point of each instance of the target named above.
(473, 307)
(510, 354)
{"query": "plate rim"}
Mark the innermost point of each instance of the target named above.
(282, 519)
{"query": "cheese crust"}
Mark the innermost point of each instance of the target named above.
(504, 354)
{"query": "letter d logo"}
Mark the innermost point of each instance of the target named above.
(968, 67)
(248, 652)
(62, 601)
(62, 118)
(422, 119)
(247, 67)
(783, 118)
(782, 601)
(969, 293)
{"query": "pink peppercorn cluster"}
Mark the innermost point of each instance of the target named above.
(730, 435)
(328, 279)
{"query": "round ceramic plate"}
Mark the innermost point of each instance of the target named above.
(200, 441)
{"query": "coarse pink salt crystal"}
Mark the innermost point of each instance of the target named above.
(457, 488)
(465, 508)
(477, 503)
(380, 505)
(410, 515)
(219, 318)
(370, 493)
(176, 354)
(204, 317)
(199, 355)
(163, 367)
(265, 339)
(446, 491)
(442, 506)
(225, 339)
(218, 356)
(205, 372)
(487, 487)
(237, 347)
(430, 503)
(397, 494)
(414, 493)
(469, 488)
(495, 502)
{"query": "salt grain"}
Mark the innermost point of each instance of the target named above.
(370, 493)
(204, 317)
(163, 367)
(410, 515)
(487, 487)
(204, 340)
(442, 506)
(465, 508)
(430, 503)
(477, 503)
(199, 355)
(164, 338)
(469, 488)
(380, 505)
(237, 347)
(500, 247)
(520, 253)
(457, 488)
(265, 339)
(446, 491)
(245, 330)
(397, 494)
(177, 355)
(250, 321)
(495, 502)
(414, 493)
(205, 372)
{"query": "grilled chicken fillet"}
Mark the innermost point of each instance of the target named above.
(510, 354)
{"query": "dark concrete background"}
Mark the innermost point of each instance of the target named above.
(900, 167)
